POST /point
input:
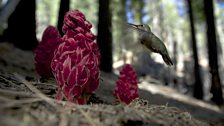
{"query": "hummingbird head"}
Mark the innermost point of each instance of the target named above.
(146, 27)
(143, 27)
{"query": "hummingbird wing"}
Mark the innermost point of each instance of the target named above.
(161, 49)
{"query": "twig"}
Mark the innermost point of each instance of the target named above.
(44, 84)
(10, 82)
(64, 120)
(75, 106)
(89, 119)
(13, 103)
(36, 91)
(17, 93)
(4, 99)
(10, 121)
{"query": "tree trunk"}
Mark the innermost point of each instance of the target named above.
(104, 38)
(64, 7)
(198, 87)
(7, 10)
(175, 54)
(216, 86)
(21, 29)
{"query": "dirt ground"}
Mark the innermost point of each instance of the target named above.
(26, 100)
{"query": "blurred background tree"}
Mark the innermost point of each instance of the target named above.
(198, 86)
(104, 35)
(64, 7)
(197, 55)
(21, 30)
(6, 11)
(216, 86)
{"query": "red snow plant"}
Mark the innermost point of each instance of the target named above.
(44, 52)
(76, 60)
(126, 89)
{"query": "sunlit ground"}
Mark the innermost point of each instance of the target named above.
(172, 93)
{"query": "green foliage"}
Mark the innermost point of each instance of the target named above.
(198, 10)
(164, 11)
(137, 7)
(89, 8)
(46, 14)
(119, 20)
(177, 25)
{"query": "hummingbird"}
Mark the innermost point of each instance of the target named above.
(152, 42)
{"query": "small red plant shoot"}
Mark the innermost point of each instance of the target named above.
(76, 61)
(44, 52)
(126, 89)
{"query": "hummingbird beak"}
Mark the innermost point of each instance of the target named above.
(140, 28)
(136, 26)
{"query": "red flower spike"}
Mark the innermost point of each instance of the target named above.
(75, 22)
(76, 61)
(44, 52)
(126, 89)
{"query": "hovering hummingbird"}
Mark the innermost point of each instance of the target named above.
(152, 42)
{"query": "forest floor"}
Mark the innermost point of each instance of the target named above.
(27, 100)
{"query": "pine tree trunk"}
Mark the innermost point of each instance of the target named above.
(198, 87)
(7, 10)
(216, 86)
(21, 29)
(104, 38)
(64, 7)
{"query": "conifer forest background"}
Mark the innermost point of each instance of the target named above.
(192, 30)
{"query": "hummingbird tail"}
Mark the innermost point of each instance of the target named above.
(167, 60)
